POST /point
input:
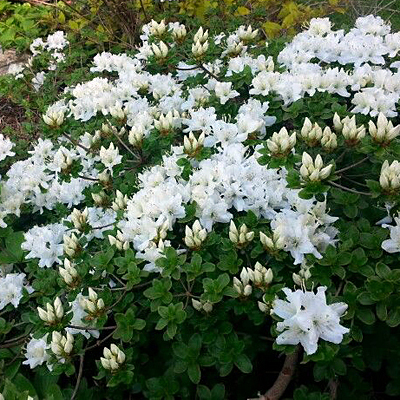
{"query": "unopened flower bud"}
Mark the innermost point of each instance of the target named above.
(191, 145)
(197, 305)
(281, 144)
(179, 33)
(54, 118)
(199, 49)
(157, 29)
(390, 177)
(200, 36)
(195, 236)
(113, 358)
(136, 135)
(384, 131)
(312, 170)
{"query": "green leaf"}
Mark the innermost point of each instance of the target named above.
(381, 311)
(350, 210)
(320, 371)
(195, 343)
(139, 324)
(194, 373)
(180, 350)
(339, 366)
(364, 298)
(383, 270)
(24, 385)
(12, 370)
(366, 315)
(225, 369)
(243, 363)
(358, 257)
(204, 392)
(393, 318)
(218, 392)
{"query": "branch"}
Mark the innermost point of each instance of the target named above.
(333, 387)
(76, 143)
(352, 165)
(103, 226)
(99, 342)
(91, 328)
(144, 11)
(14, 343)
(348, 189)
(125, 146)
(283, 379)
(88, 178)
(208, 72)
(78, 381)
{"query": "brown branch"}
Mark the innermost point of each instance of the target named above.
(75, 142)
(78, 381)
(88, 178)
(99, 342)
(144, 11)
(333, 387)
(125, 146)
(352, 165)
(91, 328)
(103, 226)
(13, 343)
(285, 376)
(208, 72)
(348, 189)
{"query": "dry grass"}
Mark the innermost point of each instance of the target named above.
(388, 9)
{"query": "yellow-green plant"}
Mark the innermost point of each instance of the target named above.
(119, 21)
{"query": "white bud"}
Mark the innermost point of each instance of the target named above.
(207, 307)
(247, 290)
(197, 305)
(263, 307)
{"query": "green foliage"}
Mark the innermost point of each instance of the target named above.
(20, 23)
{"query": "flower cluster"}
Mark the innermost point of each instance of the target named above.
(53, 47)
(307, 318)
(12, 288)
(392, 245)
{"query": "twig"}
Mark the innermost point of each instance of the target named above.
(125, 146)
(24, 335)
(284, 377)
(333, 387)
(91, 328)
(99, 342)
(14, 343)
(348, 189)
(352, 165)
(353, 181)
(118, 300)
(208, 72)
(88, 178)
(144, 11)
(339, 289)
(75, 142)
(103, 226)
(118, 280)
(78, 381)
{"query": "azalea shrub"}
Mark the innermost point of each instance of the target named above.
(208, 216)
